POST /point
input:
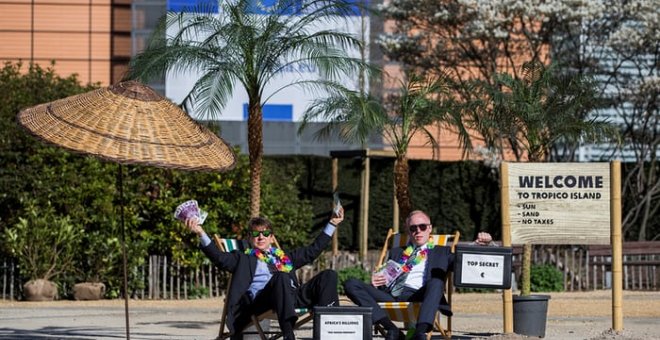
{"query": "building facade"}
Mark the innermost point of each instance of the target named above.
(95, 39)
(90, 38)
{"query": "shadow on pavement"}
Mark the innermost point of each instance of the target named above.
(454, 336)
(182, 324)
(69, 333)
(467, 335)
(76, 333)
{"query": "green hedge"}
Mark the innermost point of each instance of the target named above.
(356, 272)
(546, 278)
(460, 196)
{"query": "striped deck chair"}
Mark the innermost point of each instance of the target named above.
(407, 311)
(304, 315)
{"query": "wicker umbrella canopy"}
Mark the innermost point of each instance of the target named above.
(129, 123)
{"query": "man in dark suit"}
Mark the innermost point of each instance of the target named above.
(422, 280)
(263, 276)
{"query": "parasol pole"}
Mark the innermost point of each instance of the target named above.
(123, 248)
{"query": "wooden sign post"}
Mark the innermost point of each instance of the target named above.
(563, 203)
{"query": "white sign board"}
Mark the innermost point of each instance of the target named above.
(559, 203)
(341, 327)
(482, 269)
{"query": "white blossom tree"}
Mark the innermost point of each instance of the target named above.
(617, 42)
(625, 51)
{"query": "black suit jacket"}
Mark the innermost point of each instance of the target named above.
(439, 261)
(243, 267)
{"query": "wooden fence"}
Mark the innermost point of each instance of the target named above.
(10, 279)
(584, 268)
(590, 267)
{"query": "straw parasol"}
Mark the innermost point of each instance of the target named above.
(128, 123)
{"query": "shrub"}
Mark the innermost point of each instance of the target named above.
(476, 290)
(44, 243)
(355, 272)
(198, 292)
(546, 278)
(28, 167)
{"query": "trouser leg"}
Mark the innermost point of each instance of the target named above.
(366, 295)
(429, 295)
(281, 292)
(321, 290)
(245, 313)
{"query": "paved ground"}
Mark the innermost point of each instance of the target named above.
(478, 316)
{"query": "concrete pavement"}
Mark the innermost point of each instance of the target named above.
(199, 319)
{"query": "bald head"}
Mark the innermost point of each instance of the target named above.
(418, 226)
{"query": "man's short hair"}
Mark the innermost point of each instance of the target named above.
(259, 222)
(415, 212)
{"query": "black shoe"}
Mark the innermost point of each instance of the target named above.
(419, 336)
(235, 336)
(394, 334)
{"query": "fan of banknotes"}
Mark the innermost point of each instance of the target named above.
(190, 209)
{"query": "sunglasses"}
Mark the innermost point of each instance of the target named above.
(255, 233)
(422, 227)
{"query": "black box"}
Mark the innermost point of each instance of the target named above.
(483, 267)
(342, 323)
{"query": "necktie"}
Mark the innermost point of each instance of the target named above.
(271, 264)
(396, 288)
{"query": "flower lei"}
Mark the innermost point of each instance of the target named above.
(421, 256)
(274, 256)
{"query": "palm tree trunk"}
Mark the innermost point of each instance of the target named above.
(401, 171)
(526, 275)
(526, 288)
(256, 150)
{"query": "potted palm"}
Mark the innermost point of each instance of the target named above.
(44, 244)
(529, 115)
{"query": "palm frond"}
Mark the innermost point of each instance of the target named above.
(542, 107)
(254, 49)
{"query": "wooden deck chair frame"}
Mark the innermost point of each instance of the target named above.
(304, 315)
(407, 311)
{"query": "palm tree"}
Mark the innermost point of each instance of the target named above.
(532, 114)
(538, 111)
(240, 48)
(420, 102)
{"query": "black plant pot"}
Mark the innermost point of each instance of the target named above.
(530, 314)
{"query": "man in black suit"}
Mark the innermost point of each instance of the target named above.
(424, 271)
(264, 276)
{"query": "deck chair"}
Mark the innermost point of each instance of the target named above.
(304, 315)
(407, 311)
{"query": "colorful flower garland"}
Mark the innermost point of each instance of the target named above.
(274, 256)
(421, 256)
